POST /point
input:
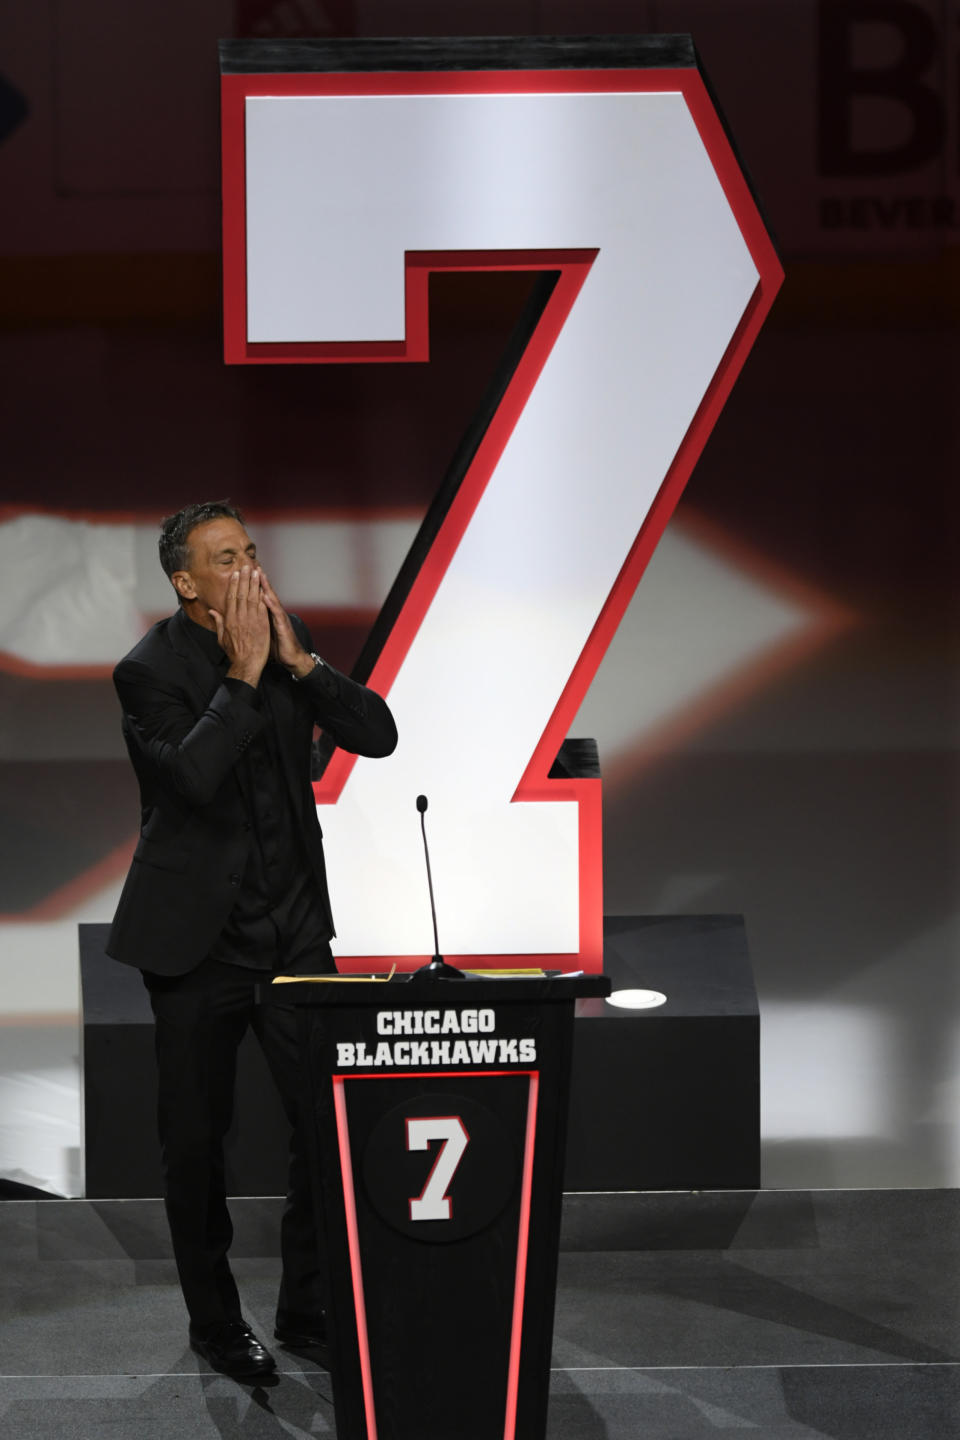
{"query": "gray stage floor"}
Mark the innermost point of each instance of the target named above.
(791, 1315)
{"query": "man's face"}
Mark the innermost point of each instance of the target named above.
(215, 550)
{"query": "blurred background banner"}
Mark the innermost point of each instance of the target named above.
(777, 717)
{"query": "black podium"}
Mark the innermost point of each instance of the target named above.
(440, 1112)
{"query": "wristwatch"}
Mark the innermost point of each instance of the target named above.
(317, 661)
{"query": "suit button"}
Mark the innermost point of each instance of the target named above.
(247, 825)
(234, 879)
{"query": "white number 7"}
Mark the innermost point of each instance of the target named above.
(433, 1202)
(338, 206)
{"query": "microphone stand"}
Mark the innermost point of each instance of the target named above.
(437, 966)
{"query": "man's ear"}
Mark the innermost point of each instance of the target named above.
(182, 582)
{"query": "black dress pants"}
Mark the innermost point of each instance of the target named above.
(201, 1019)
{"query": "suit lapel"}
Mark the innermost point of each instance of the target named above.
(199, 673)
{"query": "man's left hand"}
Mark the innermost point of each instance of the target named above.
(285, 647)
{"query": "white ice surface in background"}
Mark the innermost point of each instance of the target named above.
(40, 1079)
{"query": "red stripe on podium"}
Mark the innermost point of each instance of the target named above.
(523, 1238)
(353, 1241)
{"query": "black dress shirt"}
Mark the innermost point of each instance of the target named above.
(279, 920)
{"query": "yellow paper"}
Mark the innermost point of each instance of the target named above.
(334, 979)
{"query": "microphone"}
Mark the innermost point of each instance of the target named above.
(437, 966)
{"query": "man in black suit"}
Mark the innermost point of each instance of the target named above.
(227, 889)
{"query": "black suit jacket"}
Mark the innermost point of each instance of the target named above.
(186, 731)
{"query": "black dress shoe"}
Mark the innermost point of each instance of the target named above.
(232, 1348)
(312, 1336)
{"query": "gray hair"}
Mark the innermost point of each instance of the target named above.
(175, 530)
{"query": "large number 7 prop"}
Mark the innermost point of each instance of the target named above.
(344, 188)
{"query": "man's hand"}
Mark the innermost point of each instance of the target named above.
(243, 630)
(285, 647)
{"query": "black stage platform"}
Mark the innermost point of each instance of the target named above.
(665, 1099)
(785, 1315)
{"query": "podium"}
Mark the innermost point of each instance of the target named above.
(438, 1114)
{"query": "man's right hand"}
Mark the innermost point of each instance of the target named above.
(243, 629)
